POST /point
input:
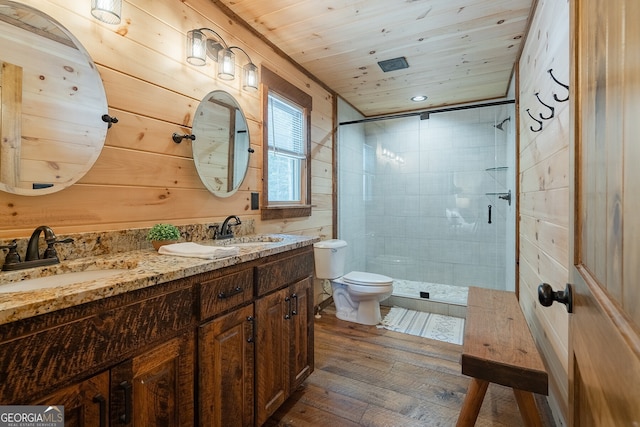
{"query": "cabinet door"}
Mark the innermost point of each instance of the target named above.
(301, 339)
(155, 388)
(273, 321)
(85, 404)
(226, 357)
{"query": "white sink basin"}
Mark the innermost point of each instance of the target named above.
(60, 280)
(249, 241)
(248, 244)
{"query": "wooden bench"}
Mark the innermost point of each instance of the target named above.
(498, 348)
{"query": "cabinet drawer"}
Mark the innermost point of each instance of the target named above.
(220, 294)
(284, 271)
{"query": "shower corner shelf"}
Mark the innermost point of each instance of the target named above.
(499, 168)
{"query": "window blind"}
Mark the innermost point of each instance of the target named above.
(286, 128)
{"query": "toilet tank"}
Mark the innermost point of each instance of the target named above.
(329, 256)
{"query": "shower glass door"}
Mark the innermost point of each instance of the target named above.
(430, 200)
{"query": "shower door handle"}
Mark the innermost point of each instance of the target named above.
(489, 214)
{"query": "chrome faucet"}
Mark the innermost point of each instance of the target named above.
(225, 231)
(32, 256)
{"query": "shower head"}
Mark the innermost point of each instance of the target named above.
(499, 126)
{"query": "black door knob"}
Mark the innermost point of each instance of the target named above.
(546, 296)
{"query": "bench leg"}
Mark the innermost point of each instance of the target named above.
(528, 408)
(472, 403)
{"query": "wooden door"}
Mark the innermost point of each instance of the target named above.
(155, 388)
(301, 355)
(273, 323)
(604, 348)
(86, 404)
(226, 358)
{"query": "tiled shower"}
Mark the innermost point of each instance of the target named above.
(415, 196)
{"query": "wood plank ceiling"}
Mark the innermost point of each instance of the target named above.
(458, 51)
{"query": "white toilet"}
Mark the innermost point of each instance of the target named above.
(356, 295)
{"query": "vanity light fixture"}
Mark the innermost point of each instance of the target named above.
(107, 11)
(199, 47)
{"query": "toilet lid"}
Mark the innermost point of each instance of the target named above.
(364, 279)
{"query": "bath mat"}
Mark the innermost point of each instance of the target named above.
(428, 325)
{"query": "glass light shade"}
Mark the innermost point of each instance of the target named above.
(250, 77)
(107, 11)
(196, 48)
(226, 65)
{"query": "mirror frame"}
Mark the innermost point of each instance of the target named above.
(53, 98)
(221, 160)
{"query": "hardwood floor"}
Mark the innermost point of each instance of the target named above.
(365, 376)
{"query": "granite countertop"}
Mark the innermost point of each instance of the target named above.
(138, 269)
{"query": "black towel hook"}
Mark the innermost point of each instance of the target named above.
(539, 123)
(550, 71)
(537, 94)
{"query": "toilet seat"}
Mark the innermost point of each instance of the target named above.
(366, 279)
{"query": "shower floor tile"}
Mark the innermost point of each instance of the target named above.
(438, 292)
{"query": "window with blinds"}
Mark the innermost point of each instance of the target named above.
(286, 150)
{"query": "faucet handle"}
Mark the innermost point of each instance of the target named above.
(11, 246)
(50, 252)
(12, 256)
(216, 230)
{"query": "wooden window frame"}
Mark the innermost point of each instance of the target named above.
(271, 82)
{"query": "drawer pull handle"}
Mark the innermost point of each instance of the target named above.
(102, 402)
(251, 321)
(295, 310)
(236, 291)
(125, 418)
(288, 314)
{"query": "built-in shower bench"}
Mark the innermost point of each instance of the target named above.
(498, 348)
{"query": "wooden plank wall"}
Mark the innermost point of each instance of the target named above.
(142, 176)
(544, 190)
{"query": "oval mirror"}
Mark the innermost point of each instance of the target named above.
(222, 145)
(51, 127)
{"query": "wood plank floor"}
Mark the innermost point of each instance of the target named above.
(365, 376)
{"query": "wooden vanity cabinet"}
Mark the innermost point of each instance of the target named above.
(226, 349)
(226, 380)
(284, 330)
(86, 404)
(301, 332)
(254, 349)
(155, 388)
(129, 357)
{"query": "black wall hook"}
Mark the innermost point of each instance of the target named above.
(177, 138)
(550, 71)
(551, 109)
(539, 123)
(109, 120)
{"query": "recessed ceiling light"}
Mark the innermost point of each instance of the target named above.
(419, 98)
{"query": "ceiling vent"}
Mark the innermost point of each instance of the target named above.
(393, 64)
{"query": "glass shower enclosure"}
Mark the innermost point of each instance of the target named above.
(430, 198)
